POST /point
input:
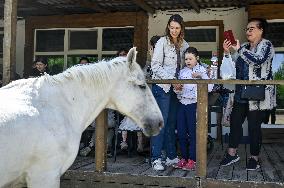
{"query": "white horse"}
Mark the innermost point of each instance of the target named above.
(42, 119)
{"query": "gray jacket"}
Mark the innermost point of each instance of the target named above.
(164, 61)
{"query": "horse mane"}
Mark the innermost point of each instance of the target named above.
(92, 74)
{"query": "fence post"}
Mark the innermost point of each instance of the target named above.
(9, 40)
(202, 129)
(101, 141)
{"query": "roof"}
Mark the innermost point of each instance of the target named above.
(64, 7)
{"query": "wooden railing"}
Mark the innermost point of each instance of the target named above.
(202, 120)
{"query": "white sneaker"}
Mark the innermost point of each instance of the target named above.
(171, 162)
(157, 165)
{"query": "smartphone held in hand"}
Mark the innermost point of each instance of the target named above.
(230, 37)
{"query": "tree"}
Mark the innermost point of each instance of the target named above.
(279, 75)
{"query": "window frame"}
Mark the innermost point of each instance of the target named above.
(273, 21)
(66, 52)
(206, 46)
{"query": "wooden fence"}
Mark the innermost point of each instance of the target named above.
(202, 120)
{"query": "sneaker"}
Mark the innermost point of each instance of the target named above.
(171, 162)
(157, 165)
(253, 164)
(123, 146)
(228, 160)
(190, 165)
(140, 149)
(109, 154)
(180, 164)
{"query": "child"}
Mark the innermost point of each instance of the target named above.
(128, 125)
(186, 113)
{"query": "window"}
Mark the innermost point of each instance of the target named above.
(49, 40)
(83, 39)
(275, 32)
(115, 39)
(205, 39)
(63, 47)
(200, 35)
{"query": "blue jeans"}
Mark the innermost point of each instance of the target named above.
(186, 130)
(166, 139)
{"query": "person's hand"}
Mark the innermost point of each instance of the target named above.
(226, 46)
(178, 87)
(196, 75)
(237, 46)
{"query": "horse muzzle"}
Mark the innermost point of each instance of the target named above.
(153, 128)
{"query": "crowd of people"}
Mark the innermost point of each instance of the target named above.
(252, 60)
(173, 58)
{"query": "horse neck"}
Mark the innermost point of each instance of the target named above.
(84, 99)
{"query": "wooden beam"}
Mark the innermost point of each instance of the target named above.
(268, 11)
(39, 6)
(144, 6)
(202, 130)
(90, 5)
(101, 141)
(9, 41)
(194, 5)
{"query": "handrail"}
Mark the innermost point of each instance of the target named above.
(215, 81)
(202, 112)
(202, 120)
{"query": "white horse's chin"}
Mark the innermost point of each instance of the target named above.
(153, 129)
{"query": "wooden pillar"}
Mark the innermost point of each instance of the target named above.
(202, 129)
(141, 37)
(101, 141)
(9, 41)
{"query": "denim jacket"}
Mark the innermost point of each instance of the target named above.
(164, 61)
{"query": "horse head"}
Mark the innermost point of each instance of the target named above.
(135, 99)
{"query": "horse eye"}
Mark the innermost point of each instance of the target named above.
(142, 86)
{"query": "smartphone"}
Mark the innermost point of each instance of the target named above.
(229, 36)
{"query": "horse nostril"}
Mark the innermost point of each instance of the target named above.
(161, 125)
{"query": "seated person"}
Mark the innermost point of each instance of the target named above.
(86, 149)
(84, 60)
(128, 125)
(40, 68)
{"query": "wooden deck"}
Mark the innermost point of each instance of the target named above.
(136, 172)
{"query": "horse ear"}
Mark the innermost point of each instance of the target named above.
(131, 56)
